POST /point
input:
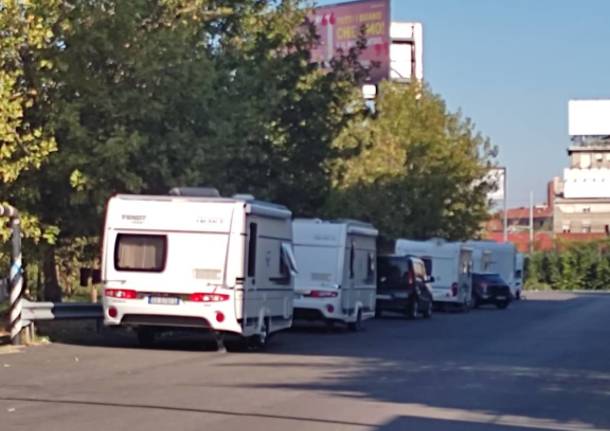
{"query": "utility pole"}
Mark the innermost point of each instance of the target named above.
(505, 204)
(531, 244)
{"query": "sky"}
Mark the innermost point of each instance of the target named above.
(512, 66)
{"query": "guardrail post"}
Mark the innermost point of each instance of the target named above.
(16, 276)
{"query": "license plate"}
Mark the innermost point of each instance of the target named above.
(401, 295)
(500, 298)
(163, 300)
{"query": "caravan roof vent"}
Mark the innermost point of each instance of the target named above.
(200, 192)
(244, 197)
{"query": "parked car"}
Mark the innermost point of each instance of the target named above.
(403, 285)
(490, 288)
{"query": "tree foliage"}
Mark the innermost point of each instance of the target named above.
(577, 265)
(418, 170)
(26, 31)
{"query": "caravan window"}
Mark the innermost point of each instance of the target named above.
(370, 268)
(252, 250)
(352, 256)
(140, 252)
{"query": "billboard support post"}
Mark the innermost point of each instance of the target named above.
(505, 207)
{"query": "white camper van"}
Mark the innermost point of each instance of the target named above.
(198, 261)
(451, 268)
(337, 276)
(499, 258)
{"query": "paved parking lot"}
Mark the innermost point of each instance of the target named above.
(542, 364)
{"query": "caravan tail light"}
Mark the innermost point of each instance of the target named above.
(454, 289)
(208, 297)
(411, 278)
(121, 293)
(322, 294)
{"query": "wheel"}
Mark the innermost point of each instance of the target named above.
(330, 325)
(502, 304)
(378, 313)
(146, 337)
(260, 341)
(413, 309)
(427, 312)
(518, 295)
(357, 325)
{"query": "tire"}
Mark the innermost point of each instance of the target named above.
(146, 337)
(427, 312)
(413, 309)
(378, 313)
(502, 304)
(357, 325)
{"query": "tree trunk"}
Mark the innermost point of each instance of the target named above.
(52, 290)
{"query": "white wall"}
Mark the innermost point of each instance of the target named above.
(403, 34)
(586, 183)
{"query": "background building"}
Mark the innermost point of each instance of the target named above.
(582, 197)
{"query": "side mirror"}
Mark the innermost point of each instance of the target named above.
(431, 279)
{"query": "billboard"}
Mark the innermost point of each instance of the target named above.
(339, 27)
(589, 117)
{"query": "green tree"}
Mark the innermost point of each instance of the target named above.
(418, 170)
(152, 94)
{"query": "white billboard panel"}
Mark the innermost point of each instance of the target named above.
(496, 176)
(586, 183)
(589, 117)
(406, 51)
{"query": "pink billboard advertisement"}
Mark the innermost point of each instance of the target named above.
(339, 27)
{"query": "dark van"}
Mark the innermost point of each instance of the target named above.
(403, 286)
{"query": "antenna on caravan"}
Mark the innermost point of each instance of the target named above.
(200, 192)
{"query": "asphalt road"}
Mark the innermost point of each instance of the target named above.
(542, 364)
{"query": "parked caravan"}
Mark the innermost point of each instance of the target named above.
(500, 258)
(198, 261)
(519, 271)
(451, 269)
(337, 274)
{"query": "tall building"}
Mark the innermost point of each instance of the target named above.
(582, 196)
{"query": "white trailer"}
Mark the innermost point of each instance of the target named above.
(519, 271)
(206, 262)
(337, 279)
(451, 268)
(499, 258)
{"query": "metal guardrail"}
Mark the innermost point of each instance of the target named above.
(33, 311)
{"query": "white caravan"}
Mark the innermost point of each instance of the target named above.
(337, 278)
(198, 261)
(451, 268)
(519, 273)
(499, 258)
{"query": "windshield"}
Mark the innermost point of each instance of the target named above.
(392, 272)
(487, 278)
